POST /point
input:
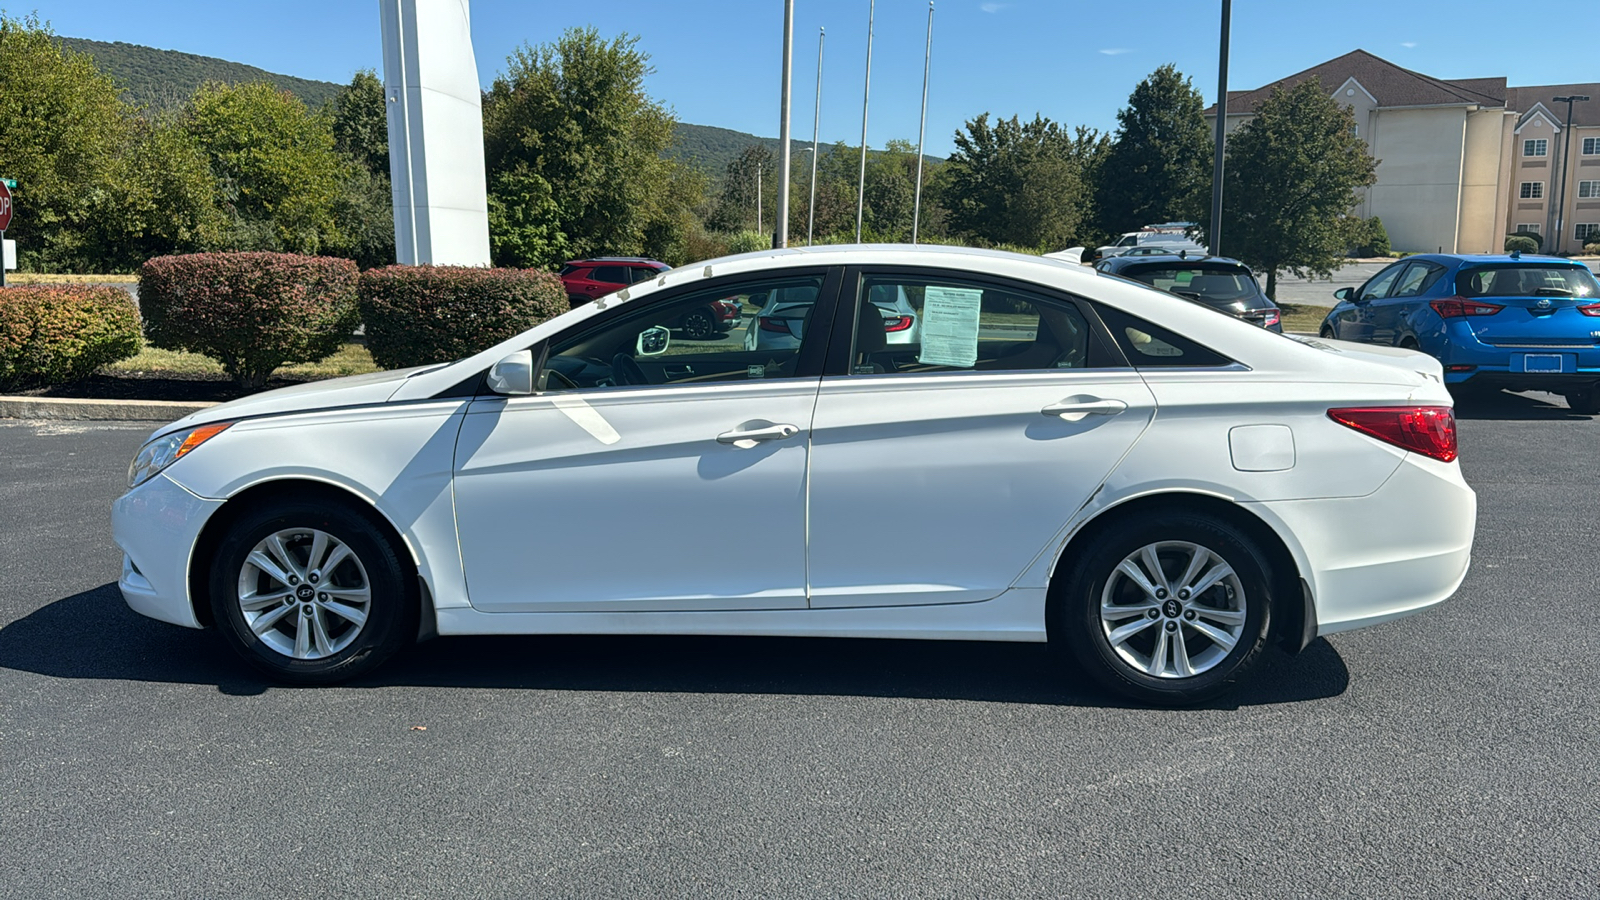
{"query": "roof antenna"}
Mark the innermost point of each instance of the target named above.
(1516, 254)
(1183, 254)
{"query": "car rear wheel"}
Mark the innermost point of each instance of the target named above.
(1168, 608)
(1326, 333)
(311, 594)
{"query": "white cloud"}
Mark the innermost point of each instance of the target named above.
(1115, 51)
(1408, 44)
(992, 7)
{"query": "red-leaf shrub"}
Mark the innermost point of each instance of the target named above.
(55, 333)
(418, 315)
(252, 312)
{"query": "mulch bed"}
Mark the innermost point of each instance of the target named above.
(154, 386)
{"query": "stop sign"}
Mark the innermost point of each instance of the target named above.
(5, 206)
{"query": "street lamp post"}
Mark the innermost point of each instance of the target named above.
(866, 91)
(1215, 237)
(781, 237)
(922, 129)
(816, 122)
(1566, 154)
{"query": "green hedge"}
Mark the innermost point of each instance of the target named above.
(252, 312)
(50, 334)
(417, 315)
(1521, 243)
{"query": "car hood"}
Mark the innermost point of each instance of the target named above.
(355, 390)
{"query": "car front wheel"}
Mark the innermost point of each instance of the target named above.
(1170, 608)
(310, 593)
(699, 325)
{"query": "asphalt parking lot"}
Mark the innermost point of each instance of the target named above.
(1452, 754)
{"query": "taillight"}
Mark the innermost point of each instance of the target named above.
(897, 323)
(1456, 307)
(1271, 316)
(1429, 430)
(1590, 309)
(779, 325)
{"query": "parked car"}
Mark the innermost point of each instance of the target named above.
(587, 279)
(1171, 237)
(1220, 283)
(781, 322)
(1497, 321)
(1013, 482)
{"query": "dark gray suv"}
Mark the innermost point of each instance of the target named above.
(1223, 284)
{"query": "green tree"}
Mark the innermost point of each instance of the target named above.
(160, 198)
(750, 177)
(571, 122)
(361, 123)
(1158, 168)
(1290, 184)
(364, 210)
(62, 126)
(1017, 183)
(279, 174)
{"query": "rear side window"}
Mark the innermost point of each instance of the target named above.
(611, 274)
(567, 269)
(1148, 345)
(1526, 280)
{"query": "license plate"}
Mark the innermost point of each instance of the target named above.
(1541, 362)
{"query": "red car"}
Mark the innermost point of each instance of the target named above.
(586, 279)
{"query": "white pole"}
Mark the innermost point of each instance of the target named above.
(816, 121)
(922, 129)
(782, 237)
(866, 91)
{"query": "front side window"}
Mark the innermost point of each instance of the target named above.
(691, 338)
(1378, 287)
(1532, 190)
(910, 324)
(1418, 279)
(1535, 147)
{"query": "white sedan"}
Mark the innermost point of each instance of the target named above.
(1163, 490)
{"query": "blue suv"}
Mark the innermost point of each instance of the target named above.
(1523, 323)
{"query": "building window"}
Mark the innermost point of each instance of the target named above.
(1529, 228)
(1591, 146)
(1589, 189)
(1586, 232)
(1532, 190)
(1535, 147)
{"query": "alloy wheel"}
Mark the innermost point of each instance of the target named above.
(1173, 609)
(304, 593)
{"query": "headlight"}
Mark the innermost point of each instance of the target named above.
(168, 449)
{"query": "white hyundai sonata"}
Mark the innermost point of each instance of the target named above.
(1162, 489)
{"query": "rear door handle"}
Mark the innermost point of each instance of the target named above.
(1076, 409)
(747, 439)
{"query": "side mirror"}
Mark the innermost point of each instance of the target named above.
(653, 341)
(1344, 293)
(513, 376)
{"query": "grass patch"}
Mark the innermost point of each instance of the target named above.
(47, 278)
(152, 362)
(1303, 317)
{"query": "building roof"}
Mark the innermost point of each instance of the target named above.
(1388, 83)
(1524, 99)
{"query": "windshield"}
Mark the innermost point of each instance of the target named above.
(1527, 280)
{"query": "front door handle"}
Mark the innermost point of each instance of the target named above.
(1076, 409)
(747, 439)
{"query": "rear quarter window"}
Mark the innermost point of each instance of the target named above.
(1148, 345)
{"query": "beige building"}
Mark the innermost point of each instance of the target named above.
(1463, 162)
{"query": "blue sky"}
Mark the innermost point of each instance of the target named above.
(717, 61)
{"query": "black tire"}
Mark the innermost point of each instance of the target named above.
(1326, 334)
(1584, 402)
(390, 612)
(1077, 617)
(699, 325)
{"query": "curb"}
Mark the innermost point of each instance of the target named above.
(104, 410)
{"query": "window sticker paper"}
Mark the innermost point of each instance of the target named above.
(950, 326)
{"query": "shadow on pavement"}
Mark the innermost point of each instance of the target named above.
(93, 635)
(1533, 406)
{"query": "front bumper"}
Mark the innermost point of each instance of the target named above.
(1395, 552)
(157, 524)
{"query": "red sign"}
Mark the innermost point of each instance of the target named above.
(5, 206)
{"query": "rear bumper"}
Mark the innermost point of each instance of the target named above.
(1395, 552)
(1500, 378)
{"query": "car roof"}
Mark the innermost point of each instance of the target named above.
(615, 259)
(1490, 258)
(1119, 262)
